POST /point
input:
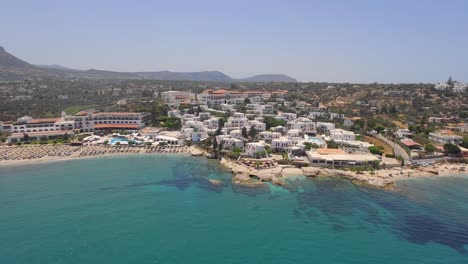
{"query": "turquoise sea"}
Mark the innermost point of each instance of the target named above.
(163, 209)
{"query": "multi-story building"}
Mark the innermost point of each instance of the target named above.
(288, 116)
(40, 128)
(236, 121)
(268, 136)
(304, 124)
(27, 124)
(228, 142)
(177, 97)
(257, 125)
(108, 121)
(282, 143)
(254, 147)
(337, 157)
(222, 96)
(212, 123)
(403, 133)
(325, 126)
(342, 135)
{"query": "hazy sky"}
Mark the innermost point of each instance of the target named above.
(346, 41)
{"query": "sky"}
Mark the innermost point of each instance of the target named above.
(358, 41)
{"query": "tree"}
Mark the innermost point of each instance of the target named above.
(450, 81)
(379, 128)
(376, 150)
(221, 122)
(465, 142)
(273, 122)
(252, 132)
(452, 149)
(215, 147)
(393, 110)
(310, 145)
(332, 144)
(246, 101)
(429, 148)
(172, 123)
(244, 132)
(220, 146)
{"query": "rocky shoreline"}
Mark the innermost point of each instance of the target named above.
(383, 178)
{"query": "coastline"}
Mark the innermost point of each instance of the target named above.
(246, 176)
(383, 178)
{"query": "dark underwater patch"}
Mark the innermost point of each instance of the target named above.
(413, 222)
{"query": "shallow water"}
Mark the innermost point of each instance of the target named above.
(163, 209)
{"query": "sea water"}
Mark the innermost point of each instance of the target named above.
(164, 209)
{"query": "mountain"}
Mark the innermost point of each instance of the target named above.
(12, 68)
(186, 76)
(52, 66)
(269, 78)
(10, 62)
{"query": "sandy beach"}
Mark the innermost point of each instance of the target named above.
(33, 154)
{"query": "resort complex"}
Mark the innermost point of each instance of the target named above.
(259, 130)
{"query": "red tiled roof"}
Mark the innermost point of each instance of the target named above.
(117, 114)
(410, 143)
(44, 120)
(116, 126)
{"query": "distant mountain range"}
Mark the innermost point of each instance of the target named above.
(12, 67)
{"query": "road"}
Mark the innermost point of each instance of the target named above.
(399, 151)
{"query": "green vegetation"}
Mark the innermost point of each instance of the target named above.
(3, 137)
(452, 149)
(310, 145)
(429, 148)
(465, 141)
(332, 144)
(376, 150)
(71, 110)
(273, 122)
(172, 123)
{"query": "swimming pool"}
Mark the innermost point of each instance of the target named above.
(113, 141)
(315, 140)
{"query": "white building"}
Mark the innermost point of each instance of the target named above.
(228, 107)
(212, 123)
(236, 133)
(403, 133)
(237, 121)
(174, 113)
(282, 143)
(337, 157)
(336, 116)
(342, 135)
(254, 147)
(445, 136)
(293, 133)
(268, 136)
(170, 140)
(227, 141)
(304, 124)
(259, 126)
(314, 115)
(326, 126)
(288, 116)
